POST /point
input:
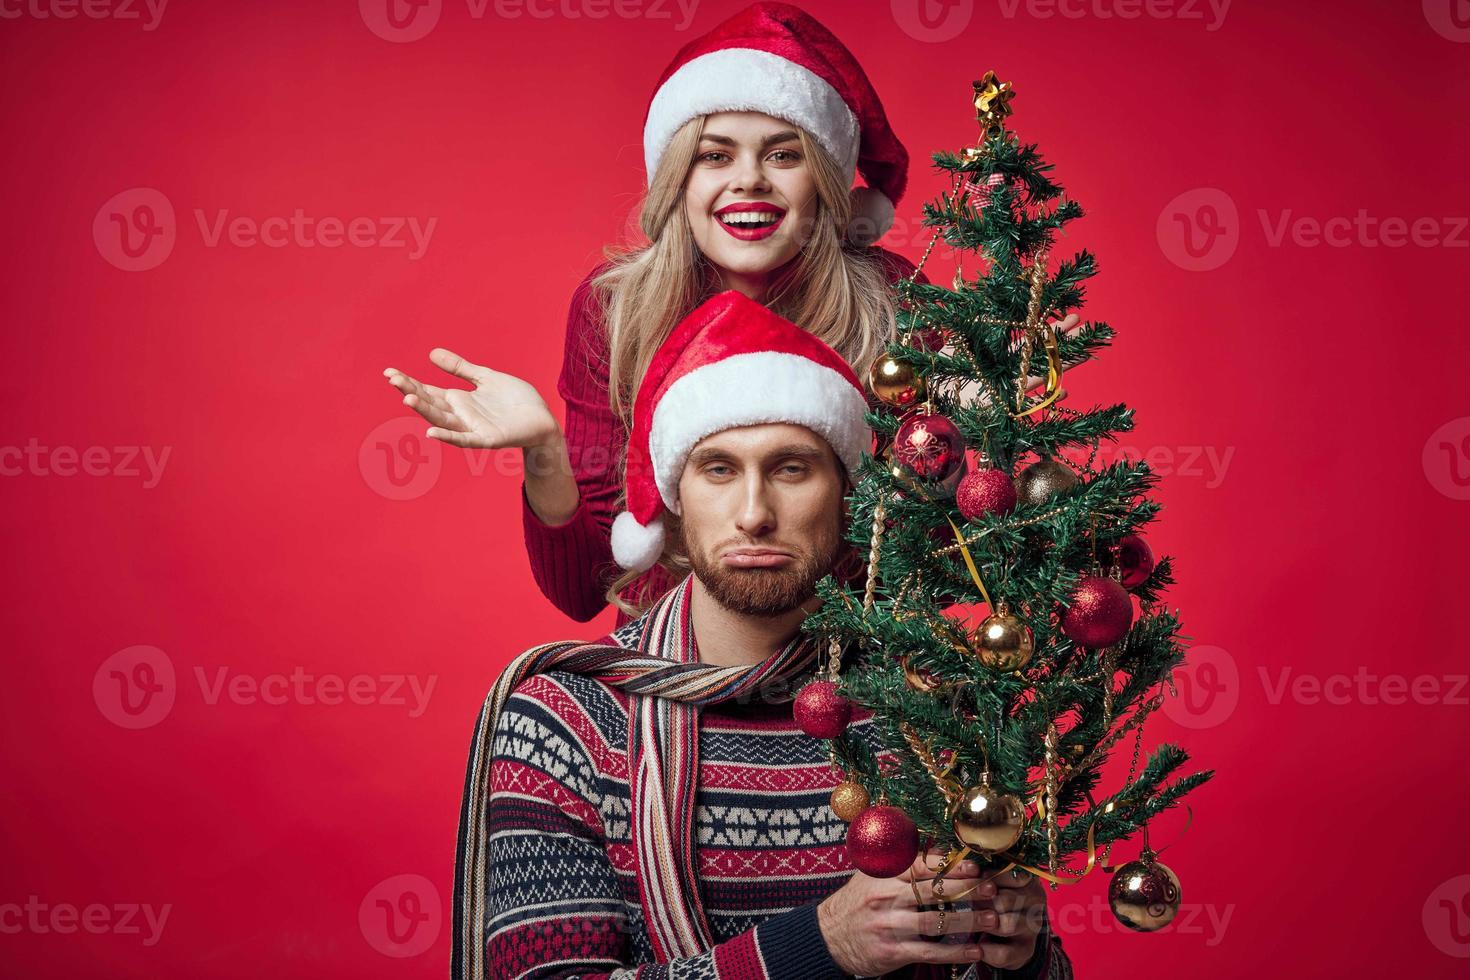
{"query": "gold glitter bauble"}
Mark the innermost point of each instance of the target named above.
(849, 799)
(987, 819)
(896, 383)
(1042, 480)
(1003, 642)
(1144, 894)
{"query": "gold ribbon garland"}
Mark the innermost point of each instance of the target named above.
(1034, 328)
(969, 559)
(958, 854)
(1053, 375)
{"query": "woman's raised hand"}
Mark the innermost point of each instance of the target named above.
(1034, 382)
(500, 411)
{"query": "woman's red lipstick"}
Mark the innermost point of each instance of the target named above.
(750, 230)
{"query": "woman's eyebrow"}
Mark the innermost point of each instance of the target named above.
(781, 137)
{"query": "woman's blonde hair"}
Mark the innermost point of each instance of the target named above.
(835, 290)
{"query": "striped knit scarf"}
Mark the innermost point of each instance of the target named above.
(667, 686)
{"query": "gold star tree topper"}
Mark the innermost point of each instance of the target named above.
(992, 103)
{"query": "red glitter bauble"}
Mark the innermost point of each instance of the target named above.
(1135, 560)
(1099, 614)
(882, 841)
(821, 711)
(928, 445)
(987, 491)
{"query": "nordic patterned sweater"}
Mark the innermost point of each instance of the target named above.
(562, 895)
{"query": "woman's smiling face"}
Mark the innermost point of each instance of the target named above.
(751, 198)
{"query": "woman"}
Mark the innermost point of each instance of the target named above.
(751, 142)
(754, 199)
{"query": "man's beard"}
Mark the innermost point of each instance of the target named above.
(764, 591)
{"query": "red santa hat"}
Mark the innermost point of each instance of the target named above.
(732, 362)
(777, 59)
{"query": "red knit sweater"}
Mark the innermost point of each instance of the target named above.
(572, 562)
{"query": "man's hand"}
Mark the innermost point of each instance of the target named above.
(1021, 905)
(872, 925)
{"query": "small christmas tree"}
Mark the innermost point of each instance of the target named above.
(996, 638)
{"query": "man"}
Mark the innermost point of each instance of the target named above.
(648, 799)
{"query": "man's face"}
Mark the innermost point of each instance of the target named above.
(762, 515)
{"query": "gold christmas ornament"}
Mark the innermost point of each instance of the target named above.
(1003, 642)
(896, 383)
(936, 489)
(1144, 894)
(918, 678)
(987, 819)
(849, 799)
(1044, 479)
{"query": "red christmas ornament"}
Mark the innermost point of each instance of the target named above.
(929, 446)
(987, 491)
(882, 841)
(881, 442)
(1099, 614)
(1135, 560)
(820, 711)
(929, 339)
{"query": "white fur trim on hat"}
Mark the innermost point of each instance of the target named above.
(773, 387)
(635, 546)
(745, 79)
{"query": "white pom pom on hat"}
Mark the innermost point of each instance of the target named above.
(635, 545)
(731, 362)
(872, 215)
(777, 59)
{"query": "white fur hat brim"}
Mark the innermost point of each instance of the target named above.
(743, 79)
(772, 386)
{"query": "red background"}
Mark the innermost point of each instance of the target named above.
(1332, 543)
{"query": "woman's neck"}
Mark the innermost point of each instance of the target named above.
(750, 285)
